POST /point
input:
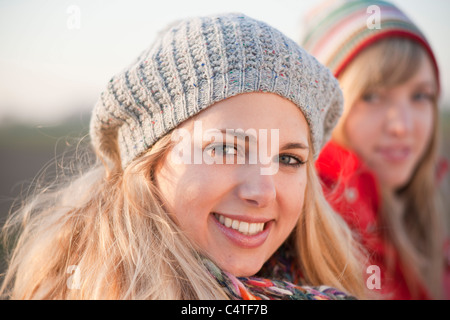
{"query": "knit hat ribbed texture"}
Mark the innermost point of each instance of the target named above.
(200, 61)
(336, 31)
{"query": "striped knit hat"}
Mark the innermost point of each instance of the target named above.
(338, 30)
(199, 61)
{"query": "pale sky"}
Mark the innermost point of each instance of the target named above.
(52, 67)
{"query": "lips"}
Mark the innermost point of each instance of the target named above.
(243, 231)
(395, 153)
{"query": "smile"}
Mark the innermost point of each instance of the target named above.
(395, 154)
(246, 228)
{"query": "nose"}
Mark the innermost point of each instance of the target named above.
(256, 189)
(399, 118)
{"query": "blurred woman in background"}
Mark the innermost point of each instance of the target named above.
(381, 170)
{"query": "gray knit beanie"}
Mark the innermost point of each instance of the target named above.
(200, 61)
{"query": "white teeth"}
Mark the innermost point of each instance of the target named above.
(241, 226)
(252, 228)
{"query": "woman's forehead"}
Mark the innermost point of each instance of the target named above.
(257, 111)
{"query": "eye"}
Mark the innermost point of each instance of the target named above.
(221, 150)
(423, 96)
(290, 160)
(371, 97)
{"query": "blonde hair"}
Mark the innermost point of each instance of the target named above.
(110, 225)
(412, 219)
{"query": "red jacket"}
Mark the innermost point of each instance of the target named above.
(351, 189)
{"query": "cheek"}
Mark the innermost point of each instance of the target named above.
(291, 195)
(424, 129)
(191, 192)
(360, 131)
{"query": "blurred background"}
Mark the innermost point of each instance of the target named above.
(56, 56)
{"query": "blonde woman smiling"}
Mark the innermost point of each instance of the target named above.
(141, 224)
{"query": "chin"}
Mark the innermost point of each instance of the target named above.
(396, 184)
(393, 179)
(242, 269)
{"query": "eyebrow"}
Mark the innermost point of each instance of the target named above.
(294, 145)
(242, 135)
(427, 84)
(239, 134)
